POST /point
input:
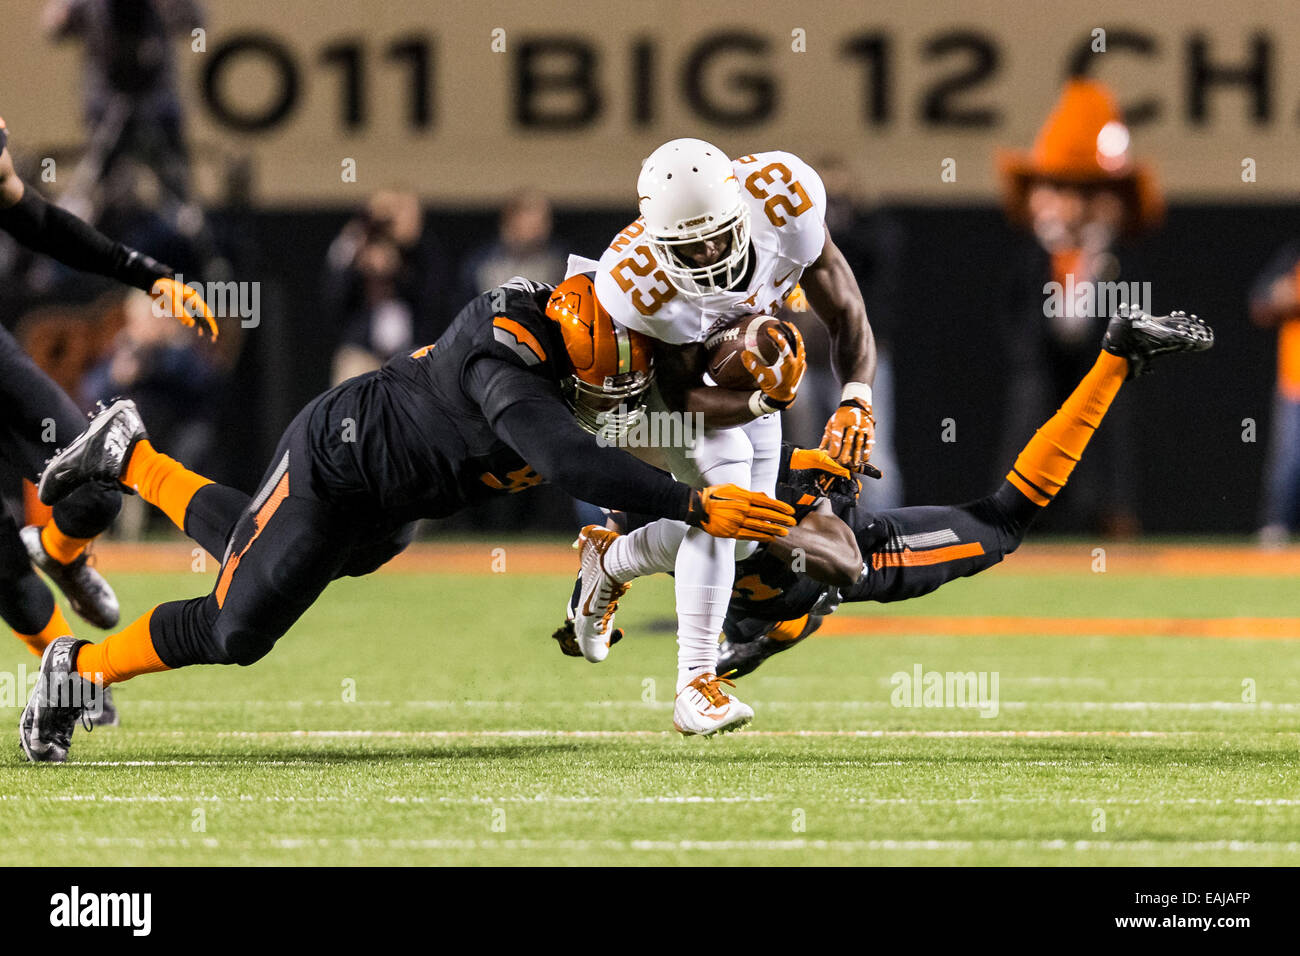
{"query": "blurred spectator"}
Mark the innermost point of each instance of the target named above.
(1275, 303)
(871, 241)
(171, 374)
(1078, 192)
(132, 104)
(524, 247)
(385, 285)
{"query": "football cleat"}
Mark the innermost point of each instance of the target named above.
(595, 600)
(568, 640)
(84, 587)
(738, 660)
(103, 712)
(60, 698)
(1138, 337)
(704, 708)
(100, 453)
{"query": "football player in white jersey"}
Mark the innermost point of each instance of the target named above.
(717, 240)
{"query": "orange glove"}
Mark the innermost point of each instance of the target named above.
(827, 476)
(729, 511)
(803, 459)
(850, 433)
(184, 304)
(779, 381)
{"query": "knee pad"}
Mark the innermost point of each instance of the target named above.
(241, 642)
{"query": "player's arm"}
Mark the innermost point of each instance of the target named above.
(679, 372)
(43, 227)
(834, 295)
(529, 416)
(825, 545)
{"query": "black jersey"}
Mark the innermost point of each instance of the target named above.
(770, 588)
(4, 135)
(479, 413)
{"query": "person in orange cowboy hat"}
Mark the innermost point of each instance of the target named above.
(1080, 194)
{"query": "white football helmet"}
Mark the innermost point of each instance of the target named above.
(688, 193)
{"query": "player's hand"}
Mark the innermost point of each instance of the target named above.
(779, 381)
(827, 475)
(849, 435)
(184, 304)
(729, 511)
(815, 459)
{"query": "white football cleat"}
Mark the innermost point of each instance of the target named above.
(703, 707)
(598, 594)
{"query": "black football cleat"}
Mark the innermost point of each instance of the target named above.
(1138, 337)
(100, 453)
(84, 587)
(60, 698)
(102, 712)
(738, 658)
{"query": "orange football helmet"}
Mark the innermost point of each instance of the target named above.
(612, 366)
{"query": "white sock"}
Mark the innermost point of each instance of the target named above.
(705, 573)
(650, 549)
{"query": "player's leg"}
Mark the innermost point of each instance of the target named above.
(704, 571)
(36, 415)
(115, 448)
(372, 552)
(910, 552)
(205, 511)
(284, 551)
(26, 604)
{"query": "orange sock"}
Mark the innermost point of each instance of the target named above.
(121, 656)
(57, 627)
(1046, 462)
(61, 547)
(162, 481)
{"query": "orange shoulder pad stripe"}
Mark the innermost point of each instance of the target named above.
(524, 343)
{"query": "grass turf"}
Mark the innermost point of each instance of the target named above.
(471, 740)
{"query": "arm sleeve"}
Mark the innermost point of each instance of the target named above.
(44, 227)
(528, 414)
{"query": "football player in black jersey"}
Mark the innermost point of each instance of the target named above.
(840, 552)
(36, 416)
(529, 383)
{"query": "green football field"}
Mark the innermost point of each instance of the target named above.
(427, 718)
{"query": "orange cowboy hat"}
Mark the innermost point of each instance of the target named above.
(1084, 142)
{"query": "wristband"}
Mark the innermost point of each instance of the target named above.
(760, 405)
(856, 392)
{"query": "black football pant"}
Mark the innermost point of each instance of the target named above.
(281, 549)
(36, 418)
(913, 551)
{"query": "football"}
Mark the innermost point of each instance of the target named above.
(724, 346)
